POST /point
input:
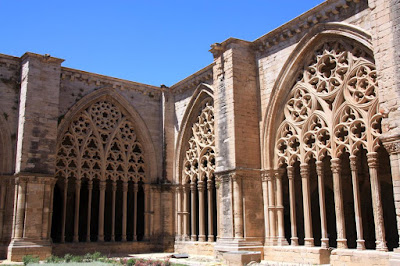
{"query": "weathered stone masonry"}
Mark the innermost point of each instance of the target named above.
(288, 145)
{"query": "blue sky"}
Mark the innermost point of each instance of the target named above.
(152, 42)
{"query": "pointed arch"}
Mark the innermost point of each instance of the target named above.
(112, 96)
(287, 76)
(201, 94)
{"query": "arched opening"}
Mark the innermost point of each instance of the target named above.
(102, 169)
(327, 142)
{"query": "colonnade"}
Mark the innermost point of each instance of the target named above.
(273, 204)
(196, 211)
(140, 194)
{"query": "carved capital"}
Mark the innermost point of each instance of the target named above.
(290, 172)
(200, 185)
(186, 187)
(90, 184)
(78, 183)
(392, 147)
(267, 175)
(193, 186)
(102, 185)
(372, 158)
(335, 166)
(124, 186)
(135, 187)
(279, 173)
(353, 162)
(320, 168)
(209, 184)
(304, 170)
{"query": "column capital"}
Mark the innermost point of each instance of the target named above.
(114, 185)
(192, 186)
(267, 175)
(90, 184)
(392, 145)
(335, 165)
(372, 158)
(279, 173)
(304, 170)
(102, 185)
(125, 186)
(135, 187)
(200, 185)
(78, 183)
(235, 177)
(353, 162)
(320, 168)
(209, 183)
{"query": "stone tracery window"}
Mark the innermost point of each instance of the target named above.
(332, 111)
(198, 177)
(102, 157)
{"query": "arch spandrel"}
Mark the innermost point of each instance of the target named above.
(336, 66)
(108, 130)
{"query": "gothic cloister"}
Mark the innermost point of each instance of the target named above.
(287, 145)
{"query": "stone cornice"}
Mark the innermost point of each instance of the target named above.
(324, 12)
(10, 61)
(44, 58)
(105, 81)
(218, 48)
(191, 82)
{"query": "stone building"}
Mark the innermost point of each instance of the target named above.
(288, 145)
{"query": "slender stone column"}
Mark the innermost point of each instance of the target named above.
(185, 212)
(322, 208)
(89, 211)
(264, 179)
(77, 203)
(357, 203)
(178, 198)
(124, 208)
(202, 212)
(19, 223)
(305, 182)
(50, 217)
(271, 207)
(279, 208)
(2, 206)
(64, 217)
(376, 201)
(294, 240)
(237, 206)
(114, 194)
(339, 210)
(210, 210)
(101, 211)
(218, 187)
(193, 211)
(135, 191)
(146, 211)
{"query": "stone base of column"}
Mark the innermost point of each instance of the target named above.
(19, 248)
(297, 255)
(224, 245)
(341, 243)
(202, 238)
(360, 244)
(309, 242)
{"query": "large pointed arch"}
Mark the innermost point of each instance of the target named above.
(202, 93)
(287, 76)
(112, 96)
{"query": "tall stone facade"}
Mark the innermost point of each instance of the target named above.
(288, 145)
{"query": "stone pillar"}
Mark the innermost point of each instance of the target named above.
(135, 191)
(392, 145)
(124, 208)
(2, 206)
(202, 213)
(264, 179)
(210, 210)
(64, 217)
(322, 208)
(376, 201)
(237, 206)
(185, 212)
(146, 212)
(339, 210)
(279, 208)
(294, 240)
(102, 185)
(193, 211)
(305, 182)
(35, 152)
(178, 197)
(77, 203)
(271, 207)
(89, 212)
(114, 194)
(357, 203)
(20, 214)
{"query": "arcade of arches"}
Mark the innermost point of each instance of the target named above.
(287, 146)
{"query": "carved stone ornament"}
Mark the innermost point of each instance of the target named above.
(332, 107)
(101, 143)
(199, 162)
